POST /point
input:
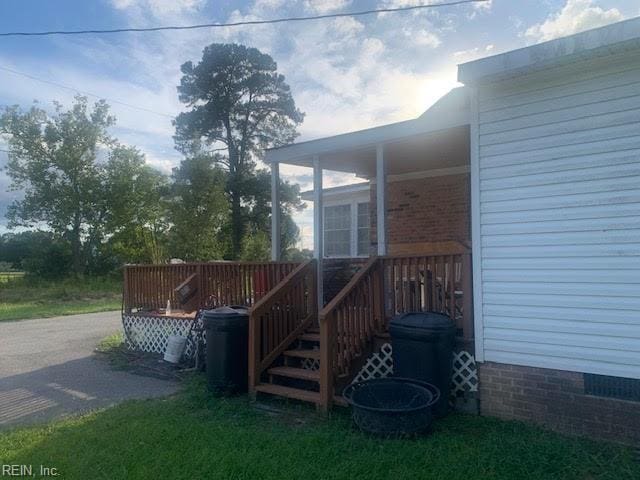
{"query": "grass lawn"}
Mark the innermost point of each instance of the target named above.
(9, 276)
(193, 436)
(22, 298)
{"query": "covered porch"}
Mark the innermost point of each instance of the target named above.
(419, 256)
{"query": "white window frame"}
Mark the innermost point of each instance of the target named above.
(353, 203)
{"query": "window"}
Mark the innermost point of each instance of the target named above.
(337, 230)
(363, 229)
(346, 230)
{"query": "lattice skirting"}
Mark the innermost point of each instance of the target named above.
(151, 333)
(464, 378)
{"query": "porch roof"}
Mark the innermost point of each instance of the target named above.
(436, 139)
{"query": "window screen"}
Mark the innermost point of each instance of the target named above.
(363, 229)
(337, 230)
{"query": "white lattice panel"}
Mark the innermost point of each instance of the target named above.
(311, 363)
(151, 333)
(379, 365)
(465, 373)
(464, 378)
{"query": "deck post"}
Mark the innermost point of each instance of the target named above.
(327, 341)
(381, 200)
(467, 301)
(126, 301)
(275, 212)
(254, 348)
(318, 228)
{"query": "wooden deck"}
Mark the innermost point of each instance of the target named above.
(148, 287)
(296, 351)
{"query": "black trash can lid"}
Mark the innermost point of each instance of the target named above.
(219, 315)
(431, 321)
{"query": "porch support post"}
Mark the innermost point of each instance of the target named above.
(318, 228)
(381, 200)
(275, 212)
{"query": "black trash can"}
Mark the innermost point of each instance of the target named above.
(227, 332)
(423, 349)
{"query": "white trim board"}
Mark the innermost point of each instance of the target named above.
(476, 240)
(437, 172)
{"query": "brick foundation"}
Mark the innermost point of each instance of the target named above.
(555, 399)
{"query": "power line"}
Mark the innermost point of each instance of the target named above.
(89, 94)
(242, 23)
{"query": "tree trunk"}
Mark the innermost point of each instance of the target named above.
(76, 248)
(237, 222)
(235, 192)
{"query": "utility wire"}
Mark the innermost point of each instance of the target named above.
(89, 94)
(242, 23)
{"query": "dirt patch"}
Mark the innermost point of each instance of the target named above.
(113, 350)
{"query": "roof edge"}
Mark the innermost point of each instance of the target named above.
(608, 39)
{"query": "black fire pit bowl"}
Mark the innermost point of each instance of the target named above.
(392, 407)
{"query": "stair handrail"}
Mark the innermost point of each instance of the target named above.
(258, 361)
(327, 319)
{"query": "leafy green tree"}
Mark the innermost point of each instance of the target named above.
(238, 106)
(198, 209)
(53, 159)
(51, 261)
(256, 247)
(16, 248)
(136, 219)
(258, 193)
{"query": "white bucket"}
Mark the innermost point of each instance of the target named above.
(175, 348)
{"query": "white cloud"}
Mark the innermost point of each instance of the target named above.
(326, 6)
(486, 5)
(472, 53)
(576, 16)
(159, 8)
(423, 37)
(268, 4)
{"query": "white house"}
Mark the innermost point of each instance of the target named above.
(535, 165)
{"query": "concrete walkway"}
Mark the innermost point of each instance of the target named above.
(48, 369)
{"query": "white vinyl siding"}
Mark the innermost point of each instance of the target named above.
(559, 194)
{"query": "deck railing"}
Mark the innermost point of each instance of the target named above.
(382, 288)
(434, 282)
(279, 317)
(148, 287)
(347, 325)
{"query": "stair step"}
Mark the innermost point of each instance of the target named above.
(340, 401)
(301, 353)
(313, 330)
(291, 372)
(310, 337)
(288, 392)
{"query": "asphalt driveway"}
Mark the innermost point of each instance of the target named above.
(48, 369)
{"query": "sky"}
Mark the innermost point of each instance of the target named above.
(346, 74)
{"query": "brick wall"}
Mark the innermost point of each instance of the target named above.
(426, 210)
(555, 399)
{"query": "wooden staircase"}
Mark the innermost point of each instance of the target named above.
(297, 354)
(296, 374)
